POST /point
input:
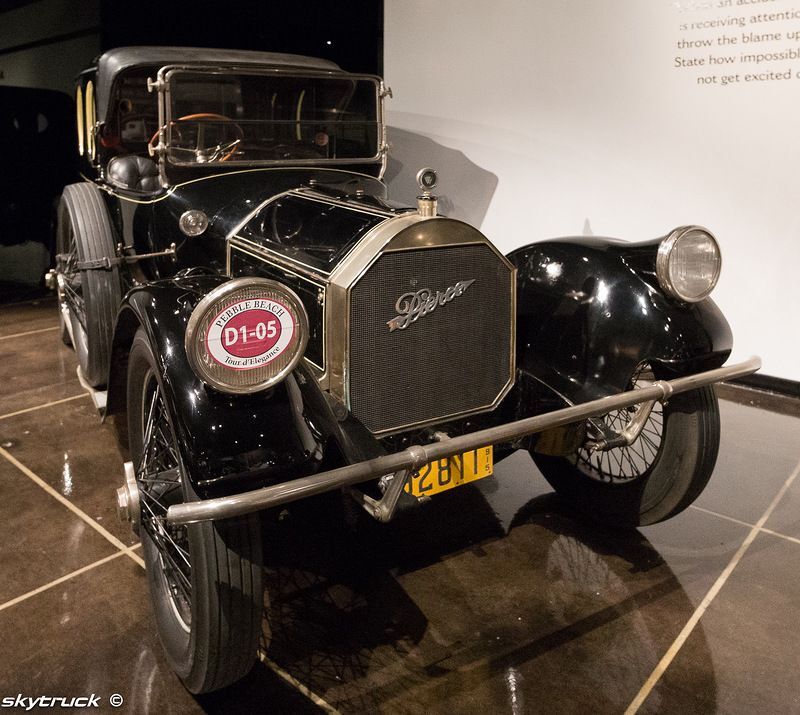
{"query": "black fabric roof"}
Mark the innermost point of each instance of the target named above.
(112, 62)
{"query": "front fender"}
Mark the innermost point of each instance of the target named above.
(228, 442)
(590, 310)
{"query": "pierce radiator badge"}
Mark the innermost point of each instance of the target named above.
(412, 306)
(250, 334)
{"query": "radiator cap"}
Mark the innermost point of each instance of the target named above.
(426, 202)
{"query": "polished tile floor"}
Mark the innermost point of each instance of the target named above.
(494, 598)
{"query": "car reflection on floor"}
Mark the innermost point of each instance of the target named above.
(447, 605)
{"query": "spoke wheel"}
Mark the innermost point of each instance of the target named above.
(656, 477)
(158, 477)
(68, 285)
(624, 464)
(205, 579)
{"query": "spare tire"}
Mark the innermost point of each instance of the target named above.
(85, 234)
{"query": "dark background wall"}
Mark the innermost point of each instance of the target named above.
(46, 43)
(348, 32)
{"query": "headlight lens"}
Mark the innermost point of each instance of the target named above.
(689, 263)
(246, 335)
(193, 222)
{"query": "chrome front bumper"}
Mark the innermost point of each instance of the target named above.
(402, 464)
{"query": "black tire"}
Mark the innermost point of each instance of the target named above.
(205, 579)
(84, 233)
(672, 474)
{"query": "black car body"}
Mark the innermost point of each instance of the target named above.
(269, 325)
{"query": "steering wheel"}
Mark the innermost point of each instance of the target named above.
(202, 153)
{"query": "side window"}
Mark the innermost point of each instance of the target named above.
(79, 119)
(90, 120)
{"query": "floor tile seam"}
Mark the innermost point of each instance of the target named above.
(135, 557)
(296, 684)
(720, 515)
(53, 403)
(686, 631)
(28, 332)
(786, 537)
(61, 579)
(763, 529)
(36, 479)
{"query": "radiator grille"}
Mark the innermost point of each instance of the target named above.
(449, 362)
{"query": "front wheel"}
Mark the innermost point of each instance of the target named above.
(205, 579)
(655, 478)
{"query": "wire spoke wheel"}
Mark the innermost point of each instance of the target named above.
(158, 476)
(71, 288)
(623, 464)
(205, 579)
(659, 475)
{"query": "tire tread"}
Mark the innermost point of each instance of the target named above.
(620, 505)
(94, 235)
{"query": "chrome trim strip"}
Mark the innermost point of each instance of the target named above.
(281, 258)
(267, 254)
(665, 249)
(344, 203)
(384, 147)
(317, 282)
(238, 227)
(343, 277)
(417, 456)
(353, 265)
(170, 189)
(322, 286)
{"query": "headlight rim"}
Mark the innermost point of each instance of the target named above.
(665, 249)
(186, 216)
(222, 291)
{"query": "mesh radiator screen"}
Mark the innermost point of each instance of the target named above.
(453, 360)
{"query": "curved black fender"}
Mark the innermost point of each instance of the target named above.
(228, 442)
(589, 310)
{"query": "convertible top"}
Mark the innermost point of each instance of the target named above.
(114, 61)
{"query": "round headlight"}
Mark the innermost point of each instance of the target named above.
(193, 222)
(246, 335)
(688, 263)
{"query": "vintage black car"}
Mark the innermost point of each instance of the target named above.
(269, 326)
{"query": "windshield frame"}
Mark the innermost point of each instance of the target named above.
(163, 86)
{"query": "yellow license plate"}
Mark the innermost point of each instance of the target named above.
(448, 473)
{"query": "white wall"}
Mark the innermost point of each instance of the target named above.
(573, 118)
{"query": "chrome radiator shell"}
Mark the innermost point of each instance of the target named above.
(372, 368)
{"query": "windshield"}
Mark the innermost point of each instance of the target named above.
(254, 118)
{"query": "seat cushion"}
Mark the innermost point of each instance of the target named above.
(136, 173)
